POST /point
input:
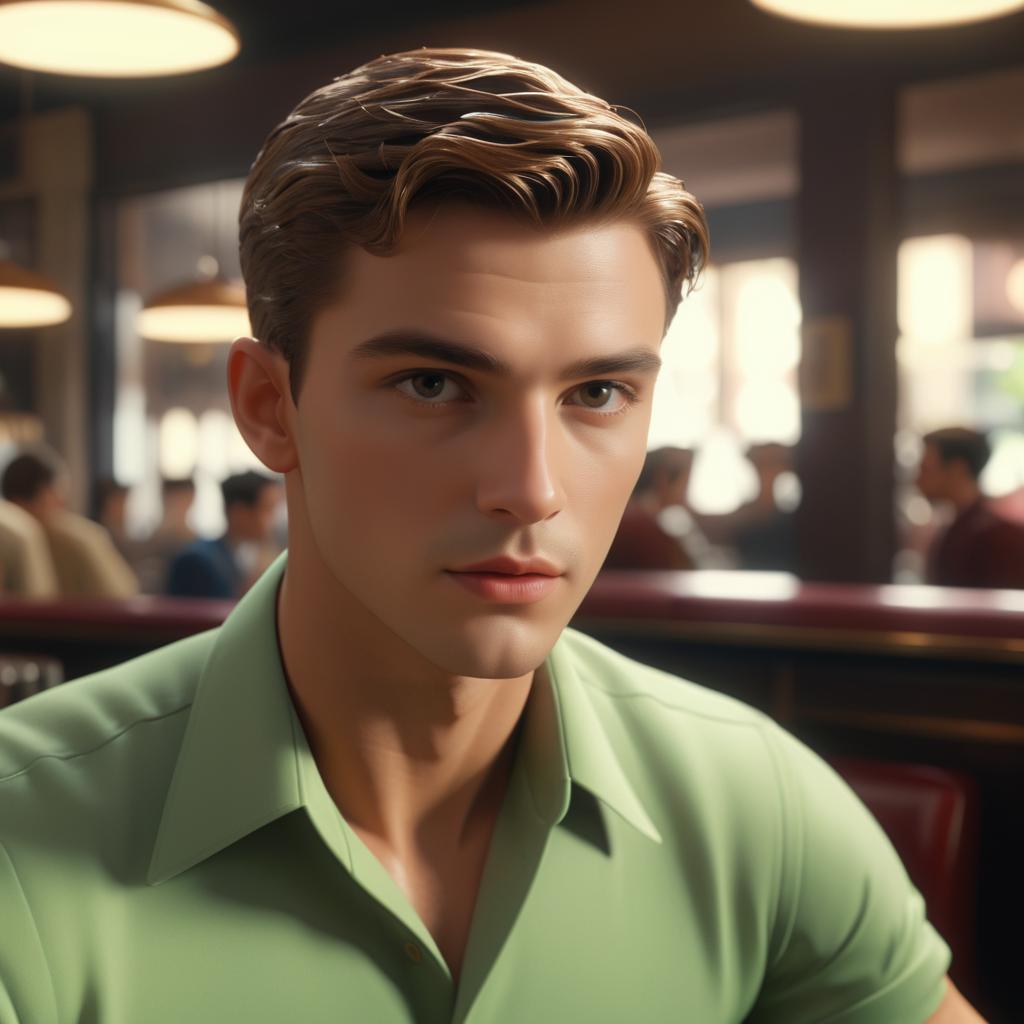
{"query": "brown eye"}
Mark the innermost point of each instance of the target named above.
(428, 385)
(608, 397)
(431, 387)
(596, 394)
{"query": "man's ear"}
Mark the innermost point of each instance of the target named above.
(261, 403)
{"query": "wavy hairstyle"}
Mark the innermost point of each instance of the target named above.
(345, 166)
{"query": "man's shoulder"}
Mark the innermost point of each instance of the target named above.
(654, 691)
(14, 519)
(670, 735)
(202, 548)
(67, 525)
(1000, 526)
(697, 760)
(209, 556)
(68, 723)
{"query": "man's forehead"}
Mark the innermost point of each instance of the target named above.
(481, 277)
(453, 241)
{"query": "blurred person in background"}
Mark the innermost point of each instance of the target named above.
(765, 532)
(226, 566)
(26, 567)
(642, 542)
(84, 556)
(1010, 506)
(979, 548)
(152, 557)
(762, 531)
(111, 503)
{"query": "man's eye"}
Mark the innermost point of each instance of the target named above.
(605, 395)
(431, 387)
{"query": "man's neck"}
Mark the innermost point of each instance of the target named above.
(38, 509)
(412, 756)
(964, 495)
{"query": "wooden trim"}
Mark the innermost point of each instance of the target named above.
(860, 641)
(919, 725)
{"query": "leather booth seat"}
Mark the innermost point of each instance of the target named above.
(930, 815)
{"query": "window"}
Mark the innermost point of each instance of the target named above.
(961, 363)
(171, 415)
(729, 377)
(960, 352)
(731, 353)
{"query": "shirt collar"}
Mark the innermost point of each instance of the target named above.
(244, 762)
(566, 741)
(237, 768)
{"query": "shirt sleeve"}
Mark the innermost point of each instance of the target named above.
(26, 989)
(851, 943)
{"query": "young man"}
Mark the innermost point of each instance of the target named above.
(392, 787)
(154, 555)
(978, 548)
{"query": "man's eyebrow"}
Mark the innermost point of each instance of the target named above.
(431, 347)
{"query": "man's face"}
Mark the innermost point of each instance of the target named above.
(448, 417)
(255, 522)
(932, 474)
(178, 502)
(50, 499)
(115, 508)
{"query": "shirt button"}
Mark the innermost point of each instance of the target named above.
(413, 952)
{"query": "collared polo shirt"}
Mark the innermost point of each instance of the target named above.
(663, 853)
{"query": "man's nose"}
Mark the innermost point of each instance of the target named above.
(518, 470)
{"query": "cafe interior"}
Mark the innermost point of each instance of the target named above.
(855, 342)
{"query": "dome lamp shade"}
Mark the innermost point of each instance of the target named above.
(115, 38)
(199, 312)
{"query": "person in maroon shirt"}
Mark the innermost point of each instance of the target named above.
(979, 548)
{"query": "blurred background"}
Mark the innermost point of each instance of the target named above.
(864, 189)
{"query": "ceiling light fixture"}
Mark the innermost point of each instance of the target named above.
(114, 38)
(890, 14)
(28, 299)
(196, 313)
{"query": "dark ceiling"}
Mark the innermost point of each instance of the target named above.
(637, 50)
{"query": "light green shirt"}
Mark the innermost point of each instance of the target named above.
(169, 854)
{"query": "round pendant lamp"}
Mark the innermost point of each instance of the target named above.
(890, 14)
(114, 38)
(199, 312)
(28, 299)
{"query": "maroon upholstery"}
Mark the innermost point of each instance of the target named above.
(930, 815)
(717, 598)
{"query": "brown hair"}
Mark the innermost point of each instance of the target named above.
(29, 472)
(969, 446)
(343, 168)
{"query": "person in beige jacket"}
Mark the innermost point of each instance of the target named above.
(84, 557)
(26, 566)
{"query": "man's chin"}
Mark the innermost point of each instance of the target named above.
(494, 650)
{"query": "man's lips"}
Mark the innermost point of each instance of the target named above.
(507, 581)
(506, 566)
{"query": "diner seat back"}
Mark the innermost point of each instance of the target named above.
(930, 815)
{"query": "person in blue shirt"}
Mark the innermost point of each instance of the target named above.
(220, 567)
